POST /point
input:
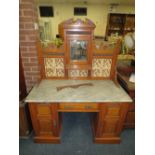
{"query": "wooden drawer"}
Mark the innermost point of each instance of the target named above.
(78, 107)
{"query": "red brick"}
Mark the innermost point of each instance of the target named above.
(33, 48)
(30, 51)
(27, 68)
(28, 13)
(28, 36)
(28, 54)
(32, 38)
(25, 19)
(35, 68)
(28, 77)
(29, 26)
(25, 60)
(32, 73)
(26, 6)
(20, 13)
(34, 60)
(36, 77)
(30, 64)
(23, 49)
(21, 26)
(21, 37)
(33, 80)
(27, 32)
(27, 43)
(27, 1)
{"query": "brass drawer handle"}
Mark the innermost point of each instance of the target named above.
(88, 107)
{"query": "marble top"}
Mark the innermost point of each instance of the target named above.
(99, 91)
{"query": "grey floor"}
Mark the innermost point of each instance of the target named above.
(76, 139)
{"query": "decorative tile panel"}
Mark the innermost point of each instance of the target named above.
(78, 73)
(101, 67)
(54, 67)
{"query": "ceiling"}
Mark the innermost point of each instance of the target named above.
(122, 2)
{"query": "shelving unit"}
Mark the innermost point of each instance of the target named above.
(120, 24)
(129, 25)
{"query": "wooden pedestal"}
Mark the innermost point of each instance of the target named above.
(108, 123)
(107, 120)
(46, 122)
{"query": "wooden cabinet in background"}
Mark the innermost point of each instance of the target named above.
(129, 25)
(120, 24)
(123, 78)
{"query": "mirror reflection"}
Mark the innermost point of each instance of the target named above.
(78, 50)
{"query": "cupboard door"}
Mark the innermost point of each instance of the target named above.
(110, 121)
(44, 119)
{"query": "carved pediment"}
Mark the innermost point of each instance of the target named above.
(71, 23)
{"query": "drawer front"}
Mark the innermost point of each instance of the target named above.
(79, 107)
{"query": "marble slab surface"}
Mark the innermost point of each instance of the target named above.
(101, 91)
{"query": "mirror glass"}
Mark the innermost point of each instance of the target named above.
(78, 49)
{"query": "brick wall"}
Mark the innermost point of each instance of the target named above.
(27, 40)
